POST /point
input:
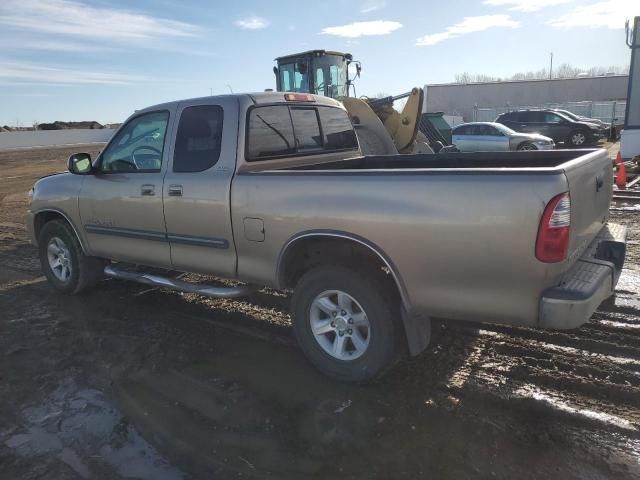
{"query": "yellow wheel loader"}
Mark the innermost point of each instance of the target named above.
(381, 129)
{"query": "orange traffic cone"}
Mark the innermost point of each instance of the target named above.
(621, 175)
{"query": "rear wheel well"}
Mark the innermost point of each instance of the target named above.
(307, 253)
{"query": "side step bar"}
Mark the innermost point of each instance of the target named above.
(207, 290)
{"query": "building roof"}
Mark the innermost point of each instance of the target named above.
(538, 80)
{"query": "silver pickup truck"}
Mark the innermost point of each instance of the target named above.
(270, 189)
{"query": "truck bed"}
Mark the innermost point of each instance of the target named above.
(541, 161)
(461, 227)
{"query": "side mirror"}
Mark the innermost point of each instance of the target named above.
(79, 163)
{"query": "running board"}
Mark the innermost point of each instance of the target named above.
(174, 284)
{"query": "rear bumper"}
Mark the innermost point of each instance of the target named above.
(590, 281)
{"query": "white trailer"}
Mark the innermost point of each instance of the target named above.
(630, 140)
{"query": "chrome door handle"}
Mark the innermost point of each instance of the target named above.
(148, 189)
(175, 190)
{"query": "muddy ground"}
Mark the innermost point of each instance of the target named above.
(129, 381)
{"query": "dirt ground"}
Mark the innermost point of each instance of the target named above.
(128, 381)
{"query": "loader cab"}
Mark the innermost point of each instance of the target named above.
(319, 72)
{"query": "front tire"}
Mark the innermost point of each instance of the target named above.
(578, 138)
(526, 146)
(346, 322)
(63, 262)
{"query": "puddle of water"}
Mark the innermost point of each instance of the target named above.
(80, 427)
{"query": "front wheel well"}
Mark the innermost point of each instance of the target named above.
(42, 218)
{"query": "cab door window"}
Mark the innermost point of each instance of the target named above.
(493, 131)
(552, 118)
(138, 146)
(199, 138)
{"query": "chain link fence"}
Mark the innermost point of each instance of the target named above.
(608, 112)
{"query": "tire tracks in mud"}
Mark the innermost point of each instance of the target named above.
(587, 379)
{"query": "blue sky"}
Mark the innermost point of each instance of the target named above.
(101, 60)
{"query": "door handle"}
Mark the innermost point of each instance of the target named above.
(175, 190)
(148, 189)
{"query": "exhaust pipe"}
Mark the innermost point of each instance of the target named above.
(173, 284)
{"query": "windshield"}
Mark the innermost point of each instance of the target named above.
(330, 76)
(294, 77)
(567, 113)
(504, 129)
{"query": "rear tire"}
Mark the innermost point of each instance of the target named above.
(346, 323)
(578, 138)
(63, 262)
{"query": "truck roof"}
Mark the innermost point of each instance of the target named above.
(257, 98)
(317, 53)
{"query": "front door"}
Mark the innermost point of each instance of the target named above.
(121, 203)
(197, 187)
(489, 139)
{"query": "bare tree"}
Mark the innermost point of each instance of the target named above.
(563, 71)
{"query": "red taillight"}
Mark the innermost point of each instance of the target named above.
(299, 97)
(552, 243)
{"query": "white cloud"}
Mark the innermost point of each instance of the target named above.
(51, 45)
(469, 25)
(75, 18)
(372, 6)
(363, 29)
(526, 5)
(610, 14)
(252, 23)
(29, 73)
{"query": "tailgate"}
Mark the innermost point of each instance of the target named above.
(590, 179)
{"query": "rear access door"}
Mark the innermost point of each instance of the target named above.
(197, 187)
(590, 179)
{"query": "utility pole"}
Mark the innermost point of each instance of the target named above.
(211, 92)
(550, 65)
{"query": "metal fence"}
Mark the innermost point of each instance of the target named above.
(50, 138)
(605, 111)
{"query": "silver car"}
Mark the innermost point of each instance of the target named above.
(495, 137)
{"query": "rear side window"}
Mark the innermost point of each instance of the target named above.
(337, 129)
(199, 138)
(270, 133)
(537, 117)
(282, 130)
(514, 117)
(462, 130)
